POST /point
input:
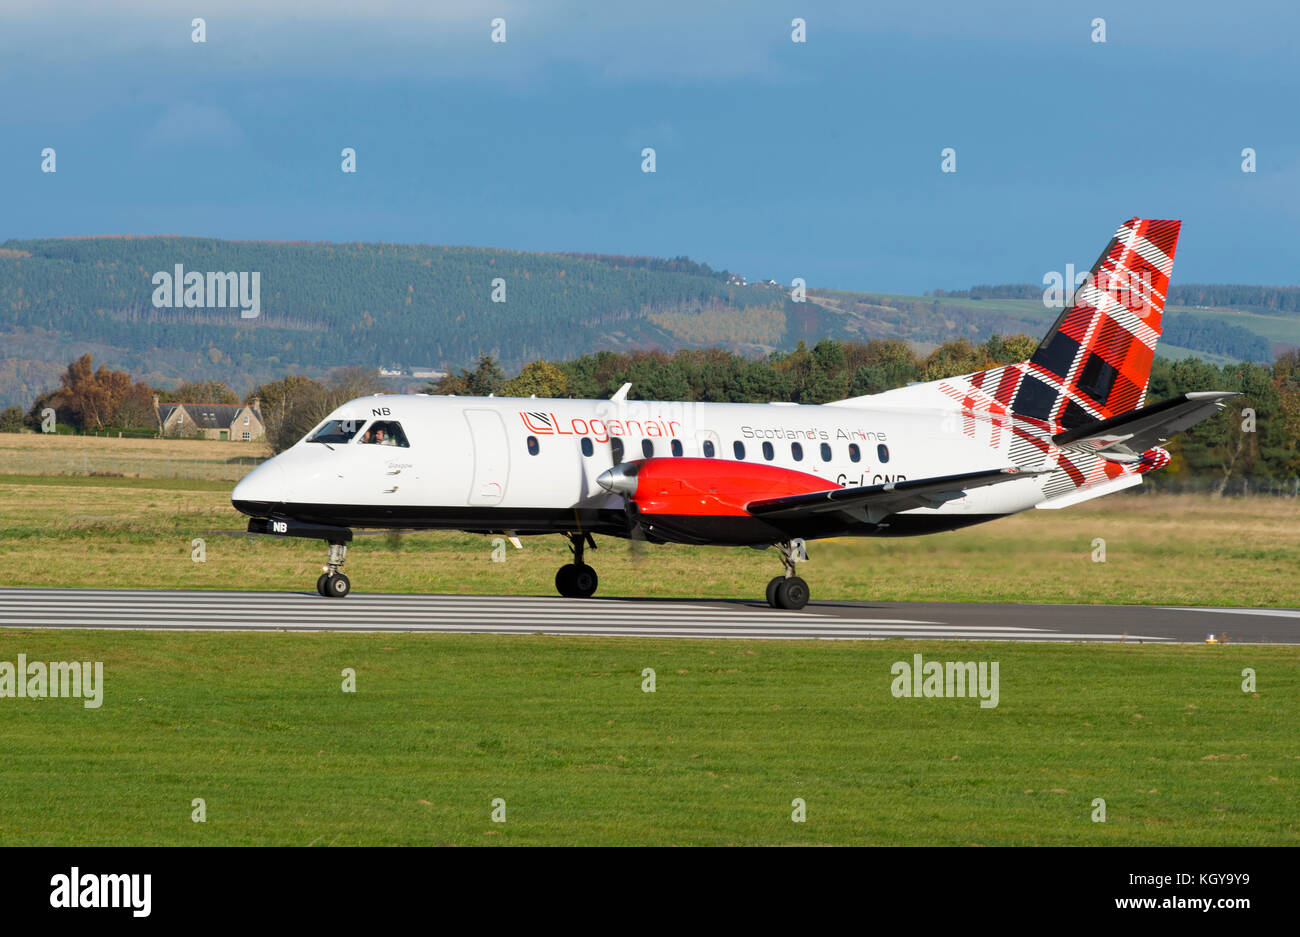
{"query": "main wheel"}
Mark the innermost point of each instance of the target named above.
(320, 584)
(576, 582)
(584, 581)
(337, 585)
(771, 590)
(792, 594)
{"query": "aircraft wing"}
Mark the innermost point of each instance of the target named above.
(1124, 438)
(876, 502)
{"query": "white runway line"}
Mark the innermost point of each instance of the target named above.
(1270, 612)
(139, 609)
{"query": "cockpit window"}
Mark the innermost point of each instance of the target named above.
(386, 433)
(338, 432)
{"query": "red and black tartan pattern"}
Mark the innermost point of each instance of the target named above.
(1095, 363)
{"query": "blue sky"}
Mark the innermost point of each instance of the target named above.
(774, 159)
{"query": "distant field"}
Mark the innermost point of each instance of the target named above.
(1160, 549)
(439, 726)
(51, 454)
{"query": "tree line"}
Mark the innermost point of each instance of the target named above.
(103, 400)
(1255, 437)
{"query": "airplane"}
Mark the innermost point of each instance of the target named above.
(1067, 425)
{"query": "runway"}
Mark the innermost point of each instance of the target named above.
(136, 609)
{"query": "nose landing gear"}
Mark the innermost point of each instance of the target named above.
(789, 591)
(577, 580)
(332, 583)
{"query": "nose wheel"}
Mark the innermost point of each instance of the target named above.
(789, 591)
(577, 580)
(332, 583)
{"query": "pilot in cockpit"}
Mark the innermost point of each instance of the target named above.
(379, 435)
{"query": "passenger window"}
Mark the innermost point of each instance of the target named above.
(709, 451)
(533, 447)
(768, 452)
(648, 448)
(796, 450)
(677, 448)
(738, 447)
(882, 452)
(855, 454)
(826, 452)
(616, 449)
(587, 448)
(339, 432)
(385, 433)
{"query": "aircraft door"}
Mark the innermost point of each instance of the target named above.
(491, 457)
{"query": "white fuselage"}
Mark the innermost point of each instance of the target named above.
(528, 464)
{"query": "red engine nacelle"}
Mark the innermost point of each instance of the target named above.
(693, 499)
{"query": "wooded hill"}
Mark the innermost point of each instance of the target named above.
(324, 306)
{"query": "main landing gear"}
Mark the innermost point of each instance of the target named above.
(577, 580)
(332, 583)
(789, 591)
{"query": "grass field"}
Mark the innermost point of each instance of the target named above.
(439, 726)
(1160, 549)
(51, 454)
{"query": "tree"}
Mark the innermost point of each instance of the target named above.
(11, 420)
(200, 392)
(1286, 379)
(486, 378)
(290, 408)
(90, 397)
(953, 358)
(1009, 349)
(136, 411)
(541, 378)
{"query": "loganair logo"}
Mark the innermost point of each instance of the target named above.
(548, 424)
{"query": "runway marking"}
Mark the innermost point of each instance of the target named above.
(175, 610)
(1270, 612)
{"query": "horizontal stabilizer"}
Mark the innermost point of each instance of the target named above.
(1124, 438)
(875, 502)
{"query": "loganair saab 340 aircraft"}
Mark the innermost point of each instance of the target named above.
(1065, 426)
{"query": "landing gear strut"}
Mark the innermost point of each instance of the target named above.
(577, 580)
(789, 591)
(332, 583)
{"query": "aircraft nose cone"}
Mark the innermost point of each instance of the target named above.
(621, 479)
(261, 489)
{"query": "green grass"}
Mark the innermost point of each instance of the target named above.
(257, 726)
(96, 481)
(1160, 549)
